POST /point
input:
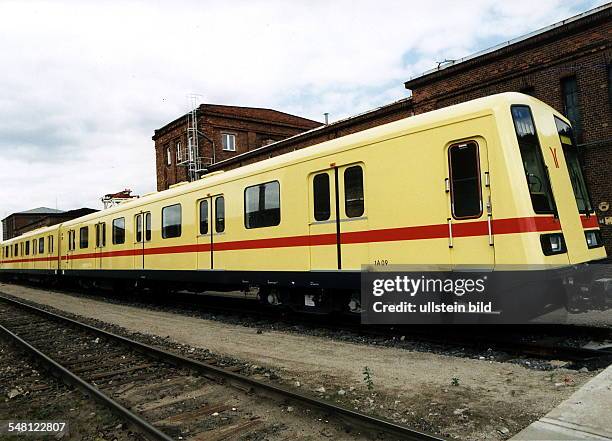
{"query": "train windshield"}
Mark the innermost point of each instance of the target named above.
(533, 163)
(570, 152)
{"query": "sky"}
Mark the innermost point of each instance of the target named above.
(83, 84)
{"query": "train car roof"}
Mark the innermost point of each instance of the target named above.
(30, 234)
(458, 112)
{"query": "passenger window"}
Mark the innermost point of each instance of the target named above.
(353, 191)
(16, 250)
(220, 214)
(119, 231)
(84, 237)
(101, 235)
(34, 246)
(41, 246)
(27, 248)
(147, 226)
(321, 195)
(171, 221)
(204, 216)
(262, 205)
(139, 228)
(466, 197)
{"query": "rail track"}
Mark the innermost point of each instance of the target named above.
(166, 396)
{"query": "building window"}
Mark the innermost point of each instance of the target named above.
(610, 84)
(321, 197)
(168, 156)
(220, 214)
(353, 191)
(204, 216)
(571, 106)
(179, 152)
(84, 237)
(528, 90)
(262, 205)
(119, 231)
(466, 199)
(171, 221)
(229, 142)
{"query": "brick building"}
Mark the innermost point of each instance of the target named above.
(224, 132)
(17, 224)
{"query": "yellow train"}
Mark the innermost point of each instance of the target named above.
(492, 182)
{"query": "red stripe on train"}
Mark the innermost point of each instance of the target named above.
(462, 229)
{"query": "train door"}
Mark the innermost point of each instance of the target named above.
(70, 249)
(324, 228)
(142, 232)
(205, 233)
(337, 216)
(469, 200)
(100, 244)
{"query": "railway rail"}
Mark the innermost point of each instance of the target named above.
(133, 379)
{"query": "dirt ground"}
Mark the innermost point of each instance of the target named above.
(29, 394)
(458, 397)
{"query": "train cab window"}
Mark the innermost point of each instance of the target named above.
(466, 197)
(118, 231)
(84, 237)
(41, 245)
(581, 193)
(204, 216)
(220, 214)
(262, 205)
(533, 162)
(353, 191)
(171, 221)
(321, 197)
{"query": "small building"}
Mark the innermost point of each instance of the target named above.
(17, 224)
(222, 132)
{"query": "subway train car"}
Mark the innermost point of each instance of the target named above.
(491, 182)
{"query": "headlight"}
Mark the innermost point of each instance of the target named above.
(553, 244)
(593, 238)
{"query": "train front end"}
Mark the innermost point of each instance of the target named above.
(563, 238)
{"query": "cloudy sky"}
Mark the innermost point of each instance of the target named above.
(84, 84)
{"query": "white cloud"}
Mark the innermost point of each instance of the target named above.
(84, 84)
